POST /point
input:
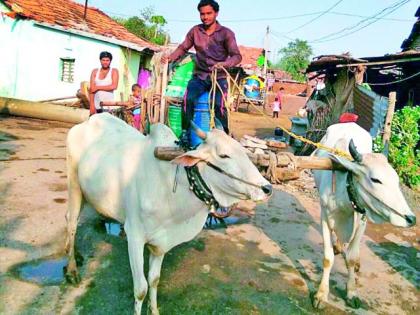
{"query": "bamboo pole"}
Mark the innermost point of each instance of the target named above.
(47, 111)
(58, 99)
(388, 121)
(163, 87)
(375, 63)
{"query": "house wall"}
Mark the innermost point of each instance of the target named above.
(30, 64)
(290, 87)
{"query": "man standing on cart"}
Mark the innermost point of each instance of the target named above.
(215, 47)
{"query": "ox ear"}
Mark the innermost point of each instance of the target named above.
(190, 158)
(347, 164)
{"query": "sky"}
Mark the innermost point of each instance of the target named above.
(249, 20)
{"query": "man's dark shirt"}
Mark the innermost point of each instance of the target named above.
(210, 49)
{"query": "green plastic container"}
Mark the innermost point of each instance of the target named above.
(179, 82)
(185, 70)
(175, 119)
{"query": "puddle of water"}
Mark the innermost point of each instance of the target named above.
(4, 136)
(48, 271)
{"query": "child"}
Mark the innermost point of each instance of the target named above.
(276, 107)
(135, 100)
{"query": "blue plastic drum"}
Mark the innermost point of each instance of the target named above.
(201, 118)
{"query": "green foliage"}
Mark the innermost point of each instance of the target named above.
(295, 58)
(404, 139)
(147, 26)
(378, 147)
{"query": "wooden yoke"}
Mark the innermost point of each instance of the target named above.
(283, 159)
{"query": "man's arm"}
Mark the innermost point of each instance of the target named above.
(183, 48)
(233, 51)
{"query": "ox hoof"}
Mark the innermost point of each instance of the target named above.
(354, 302)
(319, 300)
(72, 276)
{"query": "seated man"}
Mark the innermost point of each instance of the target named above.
(215, 47)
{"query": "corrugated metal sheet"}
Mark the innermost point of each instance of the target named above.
(371, 108)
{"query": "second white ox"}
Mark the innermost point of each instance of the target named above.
(112, 166)
(369, 188)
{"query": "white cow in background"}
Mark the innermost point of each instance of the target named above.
(369, 188)
(112, 166)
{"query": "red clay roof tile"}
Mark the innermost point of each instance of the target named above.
(249, 56)
(69, 15)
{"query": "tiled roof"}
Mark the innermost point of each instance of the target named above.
(249, 56)
(70, 15)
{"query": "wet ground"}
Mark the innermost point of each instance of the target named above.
(269, 263)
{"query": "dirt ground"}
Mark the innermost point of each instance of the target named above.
(267, 265)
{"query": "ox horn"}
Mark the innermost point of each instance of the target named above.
(354, 153)
(200, 133)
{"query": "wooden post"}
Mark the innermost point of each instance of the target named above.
(266, 49)
(388, 121)
(162, 97)
(164, 84)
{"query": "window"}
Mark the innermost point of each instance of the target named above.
(67, 70)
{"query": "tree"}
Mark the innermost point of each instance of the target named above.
(147, 26)
(295, 58)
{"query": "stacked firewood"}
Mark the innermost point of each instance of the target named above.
(272, 158)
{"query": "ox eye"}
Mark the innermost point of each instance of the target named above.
(375, 180)
(224, 156)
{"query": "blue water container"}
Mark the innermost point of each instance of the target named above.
(255, 93)
(201, 118)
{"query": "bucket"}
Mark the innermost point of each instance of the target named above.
(299, 127)
(175, 119)
(201, 118)
(254, 91)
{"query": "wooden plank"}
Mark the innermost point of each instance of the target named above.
(284, 174)
(254, 139)
(252, 144)
(276, 144)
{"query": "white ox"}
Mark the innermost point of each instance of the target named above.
(112, 166)
(368, 185)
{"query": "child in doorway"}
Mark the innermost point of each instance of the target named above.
(276, 107)
(135, 100)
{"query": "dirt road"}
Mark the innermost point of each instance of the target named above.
(268, 265)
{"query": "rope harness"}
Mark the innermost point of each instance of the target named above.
(202, 191)
(271, 121)
(351, 190)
